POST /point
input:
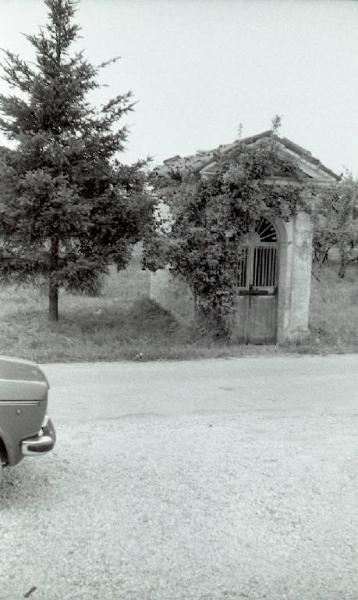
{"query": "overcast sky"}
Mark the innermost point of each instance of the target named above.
(199, 68)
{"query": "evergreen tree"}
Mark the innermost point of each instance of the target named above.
(68, 207)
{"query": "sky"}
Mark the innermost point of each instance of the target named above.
(199, 68)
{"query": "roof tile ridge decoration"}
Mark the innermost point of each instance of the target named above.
(172, 159)
(258, 136)
(204, 158)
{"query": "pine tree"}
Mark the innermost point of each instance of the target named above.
(68, 207)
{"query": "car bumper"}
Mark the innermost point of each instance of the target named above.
(43, 442)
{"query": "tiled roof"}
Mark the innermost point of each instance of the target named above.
(203, 159)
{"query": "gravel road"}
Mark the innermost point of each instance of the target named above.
(209, 480)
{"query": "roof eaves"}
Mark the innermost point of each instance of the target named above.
(307, 156)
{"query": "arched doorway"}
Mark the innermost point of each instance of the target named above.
(255, 318)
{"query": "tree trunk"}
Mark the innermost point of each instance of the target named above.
(343, 263)
(53, 301)
(53, 284)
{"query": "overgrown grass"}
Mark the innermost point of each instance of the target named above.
(334, 310)
(107, 328)
(100, 329)
(333, 313)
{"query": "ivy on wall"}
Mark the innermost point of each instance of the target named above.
(202, 243)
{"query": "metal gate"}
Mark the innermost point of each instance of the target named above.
(255, 318)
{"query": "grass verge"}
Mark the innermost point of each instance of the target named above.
(101, 329)
(105, 329)
(334, 311)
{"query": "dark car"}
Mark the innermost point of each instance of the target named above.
(25, 428)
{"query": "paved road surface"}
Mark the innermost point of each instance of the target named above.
(208, 480)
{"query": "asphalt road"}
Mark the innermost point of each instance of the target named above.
(209, 480)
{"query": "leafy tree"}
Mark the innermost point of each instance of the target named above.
(210, 218)
(336, 225)
(68, 207)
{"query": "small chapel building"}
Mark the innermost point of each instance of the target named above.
(273, 289)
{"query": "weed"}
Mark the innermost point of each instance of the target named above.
(116, 328)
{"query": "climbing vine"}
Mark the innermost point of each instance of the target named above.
(209, 218)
